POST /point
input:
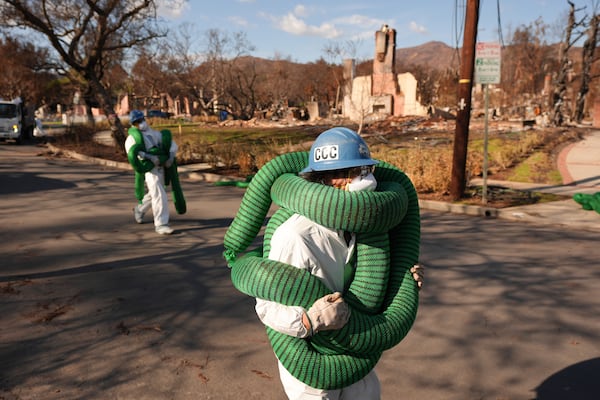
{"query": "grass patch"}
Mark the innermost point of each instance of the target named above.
(539, 167)
(426, 157)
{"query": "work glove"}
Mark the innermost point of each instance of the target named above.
(328, 313)
(418, 273)
(170, 160)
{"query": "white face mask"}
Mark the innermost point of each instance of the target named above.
(143, 126)
(368, 183)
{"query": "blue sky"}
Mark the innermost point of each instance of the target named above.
(301, 29)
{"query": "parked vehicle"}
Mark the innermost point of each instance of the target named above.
(16, 121)
(157, 114)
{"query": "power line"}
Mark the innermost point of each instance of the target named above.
(458, 25)
(498, 19)
(500, 38)
(459, 21)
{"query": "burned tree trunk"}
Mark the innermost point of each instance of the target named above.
(560, 86)
(589, 48)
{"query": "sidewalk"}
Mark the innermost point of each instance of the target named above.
(579, 165)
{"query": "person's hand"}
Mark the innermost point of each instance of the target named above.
(328, 313)
(418, 273)
(155, 160)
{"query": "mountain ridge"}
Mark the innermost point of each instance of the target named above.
(434, 54)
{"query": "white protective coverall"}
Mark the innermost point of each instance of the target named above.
(326, 254)
(156, 196)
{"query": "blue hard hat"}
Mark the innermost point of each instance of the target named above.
(135, 116)
(338, 148)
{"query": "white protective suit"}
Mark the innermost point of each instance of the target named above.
(326, 254)
(156, 196)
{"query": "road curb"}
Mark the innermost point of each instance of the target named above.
(479, 211)
(94, 160)
(184, 171)
(569, 216)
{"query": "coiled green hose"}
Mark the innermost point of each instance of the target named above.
(383, 296)
(141, 166)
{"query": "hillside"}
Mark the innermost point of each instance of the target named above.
(439, 55)
(436, 55)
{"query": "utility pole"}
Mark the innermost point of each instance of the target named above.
(465, 87)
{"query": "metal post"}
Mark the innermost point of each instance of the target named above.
(485, 146)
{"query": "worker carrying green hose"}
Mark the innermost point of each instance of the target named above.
(336, 281)
(152, 155)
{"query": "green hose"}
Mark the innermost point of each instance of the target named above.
(588, 201)
(142, 166)
(383, 296)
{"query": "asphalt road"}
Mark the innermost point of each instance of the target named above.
(94, 306)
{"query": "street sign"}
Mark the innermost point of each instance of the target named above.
(487, 63)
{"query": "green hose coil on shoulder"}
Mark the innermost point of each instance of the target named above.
(142, 166)
(139, 165)
(383, 296)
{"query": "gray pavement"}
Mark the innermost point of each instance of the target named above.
(94, 306)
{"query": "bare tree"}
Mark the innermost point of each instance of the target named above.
(336, 53)
(196, 59)
(589, 48)
(183, 57)
(149, 79)
(86, 36)
(317, 83)
(210, 73)
(216, 53)
(526, 61)
(278, 88)
(240, 88)
(561, 82)
(232, 77)
(24, 71)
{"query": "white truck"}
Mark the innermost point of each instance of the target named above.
(16, 121)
